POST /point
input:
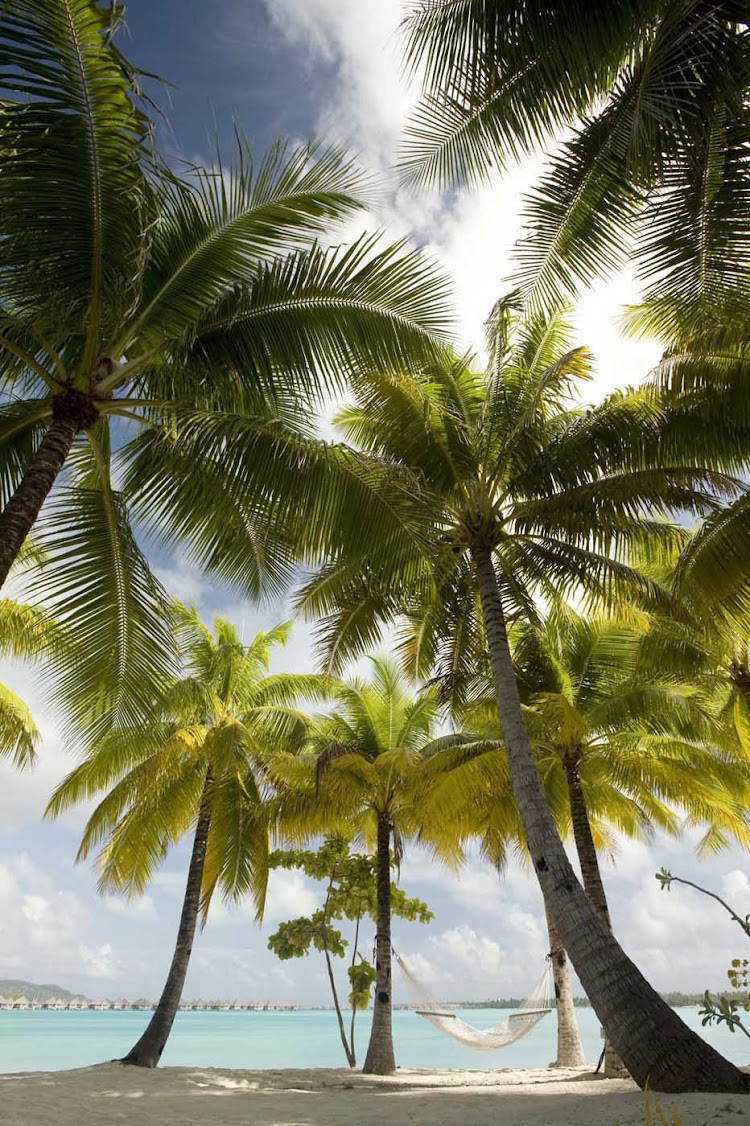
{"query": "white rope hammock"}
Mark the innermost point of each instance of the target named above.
(518, 1024)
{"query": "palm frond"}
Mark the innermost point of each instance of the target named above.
(74, 141)
(98, 586)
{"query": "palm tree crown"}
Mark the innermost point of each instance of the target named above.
(516, 492)
(657, 95)
(139, 304)
(197, 765)
(508, 462)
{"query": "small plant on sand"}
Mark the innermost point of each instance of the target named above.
(655, 1115)
(351, 894)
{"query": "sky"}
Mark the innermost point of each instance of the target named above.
(330, 69)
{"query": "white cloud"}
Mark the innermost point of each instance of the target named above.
(42, 927)
(471, 232)
(736, 887)
(469, 950)
(427, 970)
(141, 908)
(171, 883)
(371, 99)
(289, 894)
(99, 961)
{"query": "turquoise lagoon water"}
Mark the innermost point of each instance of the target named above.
(40, 1041)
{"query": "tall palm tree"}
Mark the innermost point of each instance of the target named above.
(135, 301)
(195, 766)
(657, 96)
(366, 768)
(519, 494)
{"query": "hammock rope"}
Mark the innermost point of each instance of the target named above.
(512, 1028)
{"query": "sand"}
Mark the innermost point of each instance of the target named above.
(183, 1096)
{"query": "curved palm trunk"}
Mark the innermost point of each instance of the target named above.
(20, 513)
(380, 1058)
(147, 1051)
(593, 885)
(656, 1046)
(569, 1047)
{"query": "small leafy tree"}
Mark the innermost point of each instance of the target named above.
(723, 1009)
(350, 893)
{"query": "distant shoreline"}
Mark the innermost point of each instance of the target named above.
(83, 1005)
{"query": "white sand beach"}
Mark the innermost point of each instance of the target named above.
(183, 1096)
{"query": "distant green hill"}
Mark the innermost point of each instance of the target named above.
(11, 988)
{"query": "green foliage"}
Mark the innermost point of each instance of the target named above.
(351, 894)
(723, 1009)
(653, 97)
(170, 302)
(362, 975)
(294, 938)
(350, 881)
(204, 746)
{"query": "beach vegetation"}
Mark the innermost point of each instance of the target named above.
(194, 768)
(724, 1009)
(366, 768)
(351, 894)
(523, 496)
(146, 306)
(168, 334)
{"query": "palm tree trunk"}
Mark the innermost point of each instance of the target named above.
(585, 847)
(20, 513)
(593, 884)
(569, 1047)
(380, 1059)
(147, 1051)
(656, 1046)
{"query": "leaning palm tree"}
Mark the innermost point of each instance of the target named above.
(519, 493)
(657, 94)
(619, 748)
(135, 300)
(195, 767)
(366, 768)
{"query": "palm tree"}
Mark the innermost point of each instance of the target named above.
(521, 494)
(195, 766)
(135, 301)
(366, 768)
(656, 95)
(618, 749)
(570, 1051)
